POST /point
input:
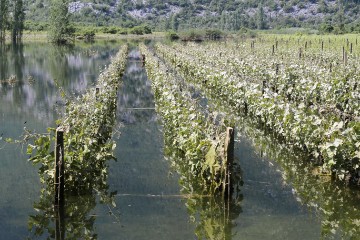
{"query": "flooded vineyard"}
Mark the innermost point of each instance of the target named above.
(147, 194)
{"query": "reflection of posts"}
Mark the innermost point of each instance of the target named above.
(59, 185)
(229, 155)
(59, 222)
(59, 167)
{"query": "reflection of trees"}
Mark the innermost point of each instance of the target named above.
(135, 92)
(337, 205)
(36, 65)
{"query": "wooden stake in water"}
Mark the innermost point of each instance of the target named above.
(97, 91)
(59, 167)
(229, 154)
(143, 59)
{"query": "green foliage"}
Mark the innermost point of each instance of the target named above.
(87, 125)
(35, 26)
(192, 35)
(140, 30)
(137, 30)
(172, 35)
(60, 30)
(110, 30)
(320, 117)
(326, 28)
(194, 136)
(88, 34)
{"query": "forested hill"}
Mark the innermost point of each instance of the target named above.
(335, 15)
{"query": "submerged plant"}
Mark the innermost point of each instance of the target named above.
(194, 136)
(88, 125)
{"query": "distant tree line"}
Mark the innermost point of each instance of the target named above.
(12, 18)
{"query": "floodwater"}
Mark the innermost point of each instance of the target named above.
(279, 198)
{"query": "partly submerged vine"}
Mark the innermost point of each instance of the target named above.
(88, 123)
(197, 134)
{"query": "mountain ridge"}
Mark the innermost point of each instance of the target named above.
(229, 15)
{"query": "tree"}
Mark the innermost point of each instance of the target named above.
(175, 22)
(18, 20)
(339, 18)
(4, 11)
(261, 24)
(60, 31)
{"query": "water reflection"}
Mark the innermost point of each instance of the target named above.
(337, 206)
(135, 100)
(29, 100)
(30, 72)
(212, 215)
(71, 221)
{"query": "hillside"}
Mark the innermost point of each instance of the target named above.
(223, 14)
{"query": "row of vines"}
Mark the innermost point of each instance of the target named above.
(194, 135)
(194, 143)
(89, 122)
(310, 101)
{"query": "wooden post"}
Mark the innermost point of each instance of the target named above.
(59, 167)
(263, 87)
(322, 46)
(143, 59)
(343, 54)
(97, 92)
(229, 155)
(273, 49)
(351, 48)
(345, 58)
(300, 53)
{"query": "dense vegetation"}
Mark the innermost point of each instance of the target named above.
(88, 125)
(308, 97)
(196, 134)
(326, 15)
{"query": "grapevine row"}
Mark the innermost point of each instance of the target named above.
(328, 137)
(189, 128)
